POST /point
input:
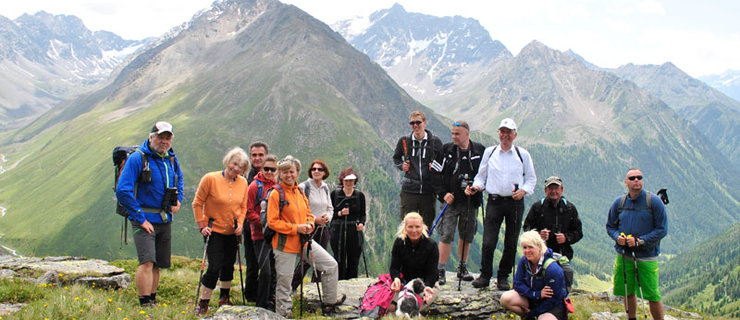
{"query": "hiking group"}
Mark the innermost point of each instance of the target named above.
(257, 199)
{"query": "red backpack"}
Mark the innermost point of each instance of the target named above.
(377, 298)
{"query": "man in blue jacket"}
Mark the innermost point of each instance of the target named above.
(637, 222)
(151, 189)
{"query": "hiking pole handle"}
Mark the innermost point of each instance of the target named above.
(238, 236)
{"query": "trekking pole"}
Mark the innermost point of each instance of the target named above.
(203, 263)
(343, 251)
(637, 276)
(624, 274)
(239, 257)
(437, 220)
(303, 273)
(361, 236)
(315, 274)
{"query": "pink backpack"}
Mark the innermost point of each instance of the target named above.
(377, 298)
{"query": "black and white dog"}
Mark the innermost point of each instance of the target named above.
(410, 299)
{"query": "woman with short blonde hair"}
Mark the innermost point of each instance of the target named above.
(539, 284)
(221, 197)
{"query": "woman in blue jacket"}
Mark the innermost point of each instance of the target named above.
(539, 285)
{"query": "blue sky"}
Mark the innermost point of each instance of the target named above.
(700, 37)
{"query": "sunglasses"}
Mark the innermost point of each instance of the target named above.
(415, 123)
(459, 124)
(632, 178)
(318, 169)
(269, 169)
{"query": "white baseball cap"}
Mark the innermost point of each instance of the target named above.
(507, 123)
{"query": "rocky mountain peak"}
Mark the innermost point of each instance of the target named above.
(424, 53)
(538, 53)
(50, 58)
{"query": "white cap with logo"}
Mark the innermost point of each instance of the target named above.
(162, 127)
(507, 123)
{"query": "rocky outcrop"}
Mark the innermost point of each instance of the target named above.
(8, 308)
(243, 313)
(468, 303)
(64, 270)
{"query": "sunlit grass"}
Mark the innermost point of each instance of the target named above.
(176, 296)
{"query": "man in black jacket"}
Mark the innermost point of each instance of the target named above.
(413, 155)
(556, 219)
(458, 163)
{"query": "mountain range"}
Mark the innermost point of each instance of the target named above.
(49, 58)
(581, 122)
(728, 82)
(713, 113)
(249, 70)
(447, 63)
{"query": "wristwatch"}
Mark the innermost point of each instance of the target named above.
(640, 242)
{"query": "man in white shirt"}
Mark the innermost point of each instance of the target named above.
(507, 174)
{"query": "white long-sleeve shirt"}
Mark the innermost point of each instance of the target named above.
(500, 170)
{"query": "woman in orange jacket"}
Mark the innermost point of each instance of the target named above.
(291, 224)
(221, 196)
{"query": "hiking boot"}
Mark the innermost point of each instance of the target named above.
(329, 307)
(442, 276)
(481, 282)
(464, 274)
(503, 284)
(201, 309)
(224, 300)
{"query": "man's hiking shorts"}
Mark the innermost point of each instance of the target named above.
(455, 216)
(648, 274)
(153, 247)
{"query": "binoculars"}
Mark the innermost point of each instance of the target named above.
(170, 199)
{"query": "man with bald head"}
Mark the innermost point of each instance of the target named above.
(637, 222)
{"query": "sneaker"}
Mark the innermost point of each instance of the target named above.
(442, 276)
(464, 274)
(503, 284)
(481, 282)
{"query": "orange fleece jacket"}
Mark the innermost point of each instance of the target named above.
(221, 199)
(295, 212)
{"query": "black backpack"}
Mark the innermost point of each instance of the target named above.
(120, 155)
